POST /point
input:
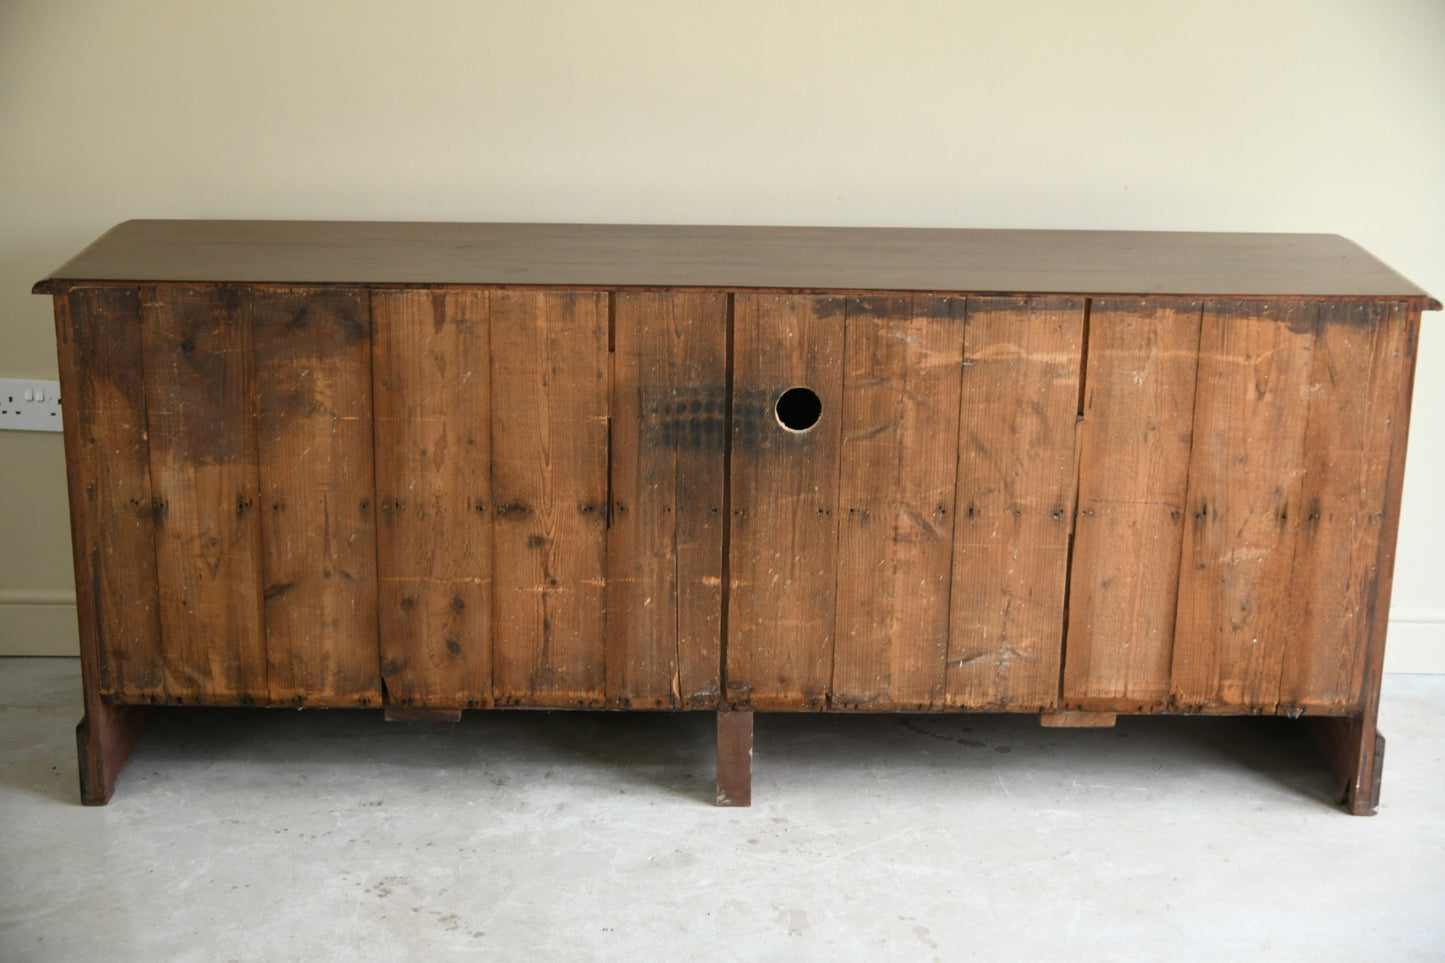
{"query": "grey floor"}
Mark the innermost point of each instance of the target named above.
(274, 835)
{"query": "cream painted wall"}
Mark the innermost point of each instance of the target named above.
(1241, 115)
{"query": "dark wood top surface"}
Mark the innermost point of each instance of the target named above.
(795, 258)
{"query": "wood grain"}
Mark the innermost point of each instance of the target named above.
(664, 562)
(1015, 501)
(550, 397)
(835, 259)
(432, 391)
(782, 598)
(111, 505)
(1356, 416)
(899, 459)
(314, 432)
(1235, 619)
(1133, 475)
(201, 408)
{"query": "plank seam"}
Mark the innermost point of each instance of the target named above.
(1171, 695)
(727, 504)
(495, 625)
(141, 299)
(1074, 519)
(376, 474)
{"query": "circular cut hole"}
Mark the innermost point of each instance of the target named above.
(798, 409)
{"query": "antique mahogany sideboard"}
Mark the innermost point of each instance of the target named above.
(436, 467)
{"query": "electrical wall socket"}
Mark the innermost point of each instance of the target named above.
(27, 405)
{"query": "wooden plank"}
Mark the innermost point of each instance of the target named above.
(1356, 417)
(314, 431)
(1015, 500)
(200, 395)
(1138, 416)
(111, 506)
(1234, 617)
(432, 389)
(549, 485)
(664, 567)
(782, 599)
(816, 258)
(899, 459)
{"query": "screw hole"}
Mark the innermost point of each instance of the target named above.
(798, 409)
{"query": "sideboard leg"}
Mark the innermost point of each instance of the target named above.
(1355, 752)
(104, 740)
(735, 758)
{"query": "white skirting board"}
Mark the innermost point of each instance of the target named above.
(43, 623)
(38, 623)
(1416, 642)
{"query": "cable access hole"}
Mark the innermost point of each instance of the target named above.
(798, 409)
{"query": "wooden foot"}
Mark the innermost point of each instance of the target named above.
(1077, 719)
(1355, 753)
(735, 758)
(104, 740)
(404, 714)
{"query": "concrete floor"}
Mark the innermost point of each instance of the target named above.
(275, 835)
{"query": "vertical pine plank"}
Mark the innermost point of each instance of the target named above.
(549, 485)
(201, 408)
(898, 459)
(1357, 414)
(699, 362)
(664, 586)
(1252, 398)
(1015, 502)
(314, 431)
(432, 390)
(111, 505)
(1133, 474)
(784, 491)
